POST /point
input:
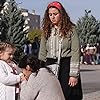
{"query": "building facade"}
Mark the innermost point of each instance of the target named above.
(32, 20)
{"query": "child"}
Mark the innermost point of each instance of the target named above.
(41, 83)
(8, 75)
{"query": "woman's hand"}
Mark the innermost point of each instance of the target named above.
(22, 77)
(73, 81)
(27, 73)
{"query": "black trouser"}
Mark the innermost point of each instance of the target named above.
(74, 93)
(17, 96)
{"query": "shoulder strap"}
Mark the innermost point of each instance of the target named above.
(59, 52)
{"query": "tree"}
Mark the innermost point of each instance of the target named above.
(34, 33)
(12, 25)
(88, 28)
(1, 4)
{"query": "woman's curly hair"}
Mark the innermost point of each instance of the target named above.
(65, 23)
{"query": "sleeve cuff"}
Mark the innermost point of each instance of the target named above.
(18, 78)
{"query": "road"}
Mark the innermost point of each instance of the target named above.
(90, 75)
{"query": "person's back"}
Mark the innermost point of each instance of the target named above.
(27, 47)
(35, 47)
(40, 83)
(44, 86)
(98, 48)
(98, 53)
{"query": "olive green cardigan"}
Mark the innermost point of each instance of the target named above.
(70, 48)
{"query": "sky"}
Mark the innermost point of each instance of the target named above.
(75, 8)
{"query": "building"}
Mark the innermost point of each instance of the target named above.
(32, 20)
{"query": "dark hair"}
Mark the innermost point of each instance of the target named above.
(33, 62)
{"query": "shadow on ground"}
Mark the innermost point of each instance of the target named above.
(84, 70)
(90, 87)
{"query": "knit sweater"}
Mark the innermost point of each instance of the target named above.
(43, 86)
(7, 81)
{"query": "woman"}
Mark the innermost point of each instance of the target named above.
(58, 29)
(40, 83)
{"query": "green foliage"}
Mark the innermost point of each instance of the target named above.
(34, 33)
(1, 4)
(88, 28)
(12, 25)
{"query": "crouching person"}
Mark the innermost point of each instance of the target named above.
(40, 82)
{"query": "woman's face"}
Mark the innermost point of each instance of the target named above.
(54, 15)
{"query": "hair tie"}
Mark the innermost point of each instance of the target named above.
(55, 4)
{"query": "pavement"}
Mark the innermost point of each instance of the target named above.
(92, 96)
(91, 82)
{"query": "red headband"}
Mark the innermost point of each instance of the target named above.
(55, 4)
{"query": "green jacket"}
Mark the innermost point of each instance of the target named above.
(70, 48)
